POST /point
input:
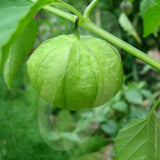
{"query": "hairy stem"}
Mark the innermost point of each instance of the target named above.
(89, 8)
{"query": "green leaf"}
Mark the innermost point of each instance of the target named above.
(120, 106)
(157, 1)
(139, 140)
(147, 93)
(90, 156)
(17, 52)
(127, 26)
(151, 20)
(146, 69)
(134, 97)
(92, 144)
(65, 121)
(137, 112)
(11, 13)
(144, 5)
(132, 1)
(15, 16)
(110, 127)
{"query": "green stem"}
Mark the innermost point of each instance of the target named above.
(61, 13)
(89, 8)
(76, 33)
(120, 43)
(153, 108)
(87, 24)
(69, 7)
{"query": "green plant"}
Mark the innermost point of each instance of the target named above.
(11, 37)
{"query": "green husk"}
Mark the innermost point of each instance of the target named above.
(73, 73)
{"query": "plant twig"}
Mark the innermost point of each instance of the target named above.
(69, 7)
(61, 13)
(76, 33)
(89, 8)
(87, 24)
(120, 43)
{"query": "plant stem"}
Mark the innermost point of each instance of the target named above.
(61, 13)
(76, 33)
(120, 43)
(69, 7)
(153, 108)
(89, 8)
(87, 24)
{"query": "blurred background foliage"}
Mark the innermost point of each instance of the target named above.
(20, 137)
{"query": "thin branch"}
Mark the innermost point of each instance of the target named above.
(120, 43)
(89, 8)
(61, 13)
(87, 24)
(69, 7)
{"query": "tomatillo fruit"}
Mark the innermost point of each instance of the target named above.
(75, 73)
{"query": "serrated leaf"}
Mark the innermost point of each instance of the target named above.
(127, 26)
(144, 5)
(18, 51)
(15, 16)
(134, 97)
(151, 20)
(139, 140)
